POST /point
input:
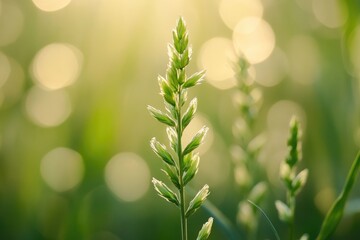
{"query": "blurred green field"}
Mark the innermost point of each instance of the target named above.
(76, 77)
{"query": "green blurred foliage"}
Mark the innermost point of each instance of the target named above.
(122, 47)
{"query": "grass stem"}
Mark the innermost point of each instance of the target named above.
(181, 165)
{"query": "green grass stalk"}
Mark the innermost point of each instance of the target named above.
(174, 89)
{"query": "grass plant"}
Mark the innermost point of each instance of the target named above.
(294, 183)
(182, 168)
(292, 180)
(248, 170)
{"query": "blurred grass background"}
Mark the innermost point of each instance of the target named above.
(76, 77)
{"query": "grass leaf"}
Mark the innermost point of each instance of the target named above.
(335, 213)
(267, 218)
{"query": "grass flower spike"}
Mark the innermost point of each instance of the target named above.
(293, 181)
(248, 170)
(182, 168)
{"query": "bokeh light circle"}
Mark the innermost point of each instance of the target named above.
(274, 69)
(329, 12)
(5, 68)
(12, 88)
(281, 112)
(128, 176)
(47, 108)
(304, 61)
(324, 199)
(57, 65)
(213, 170)
(254, 38)
(62, 169)
(232, 11)
(51, 5)
(217, 56)
(11, 23)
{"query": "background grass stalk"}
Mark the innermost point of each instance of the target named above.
(292, 204)
(249, 143)
(293, 181)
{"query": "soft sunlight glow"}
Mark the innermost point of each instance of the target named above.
(12, 88)
(213, 170)
(128, 176)
(5, 68)
(195, 125)
(271, 71)
(11, 23)
(329, 12)
(217, 57)
(62, 169)
(57, 65)
(51, 5)
(304, 59)
(255, 38)
(281, 112)
(324, 199)
(47, 108)
(232, 11)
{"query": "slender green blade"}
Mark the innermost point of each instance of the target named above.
(267, 218)
(335, 213)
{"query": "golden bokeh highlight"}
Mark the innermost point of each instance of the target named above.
(47, 108)
(329, 12)
(11, 22)
(62, 169)
(213, 170)
(304, 59)
(280, 114)
(5, 68)
(254, 38)
(56, 66)
(217, 56)
(232, 11)
(12, 88)
(127, 175)
(270, 72)
(51, 5)
(324, 199)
